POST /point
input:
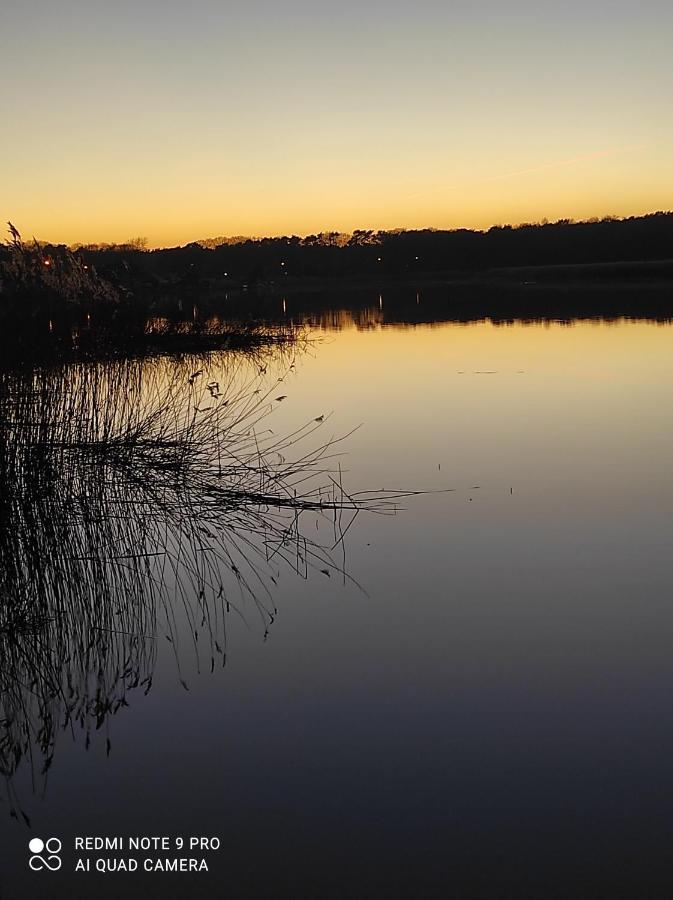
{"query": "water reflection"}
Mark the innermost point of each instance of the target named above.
(437, 303)
(497, 707)
(141, 501)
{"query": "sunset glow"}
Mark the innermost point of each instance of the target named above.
(183, 122)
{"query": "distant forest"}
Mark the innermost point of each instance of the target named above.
(385, 255)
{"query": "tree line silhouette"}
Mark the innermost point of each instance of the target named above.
(389, 254)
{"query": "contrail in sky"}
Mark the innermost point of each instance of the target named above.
(573, 160)
(543, 167)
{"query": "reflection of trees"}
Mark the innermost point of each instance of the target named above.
(143, 499)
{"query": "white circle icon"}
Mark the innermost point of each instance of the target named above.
(52, 862)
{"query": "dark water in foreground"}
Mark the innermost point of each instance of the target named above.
(491, 717)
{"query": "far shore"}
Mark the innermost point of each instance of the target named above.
(655, 275)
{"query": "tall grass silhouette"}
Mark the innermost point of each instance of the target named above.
(33, 271)
(147, 500)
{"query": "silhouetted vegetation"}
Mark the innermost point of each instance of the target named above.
(385, 254)
(55, 303)
(143, 502)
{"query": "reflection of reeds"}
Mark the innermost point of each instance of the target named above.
(144, 499)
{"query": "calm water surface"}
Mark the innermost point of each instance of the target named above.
(491, 715)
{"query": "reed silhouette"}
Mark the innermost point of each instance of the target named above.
(53, 303)
(143, 501)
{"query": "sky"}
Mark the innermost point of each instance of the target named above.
(180, 121)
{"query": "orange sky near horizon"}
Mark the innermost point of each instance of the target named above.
(181, 124)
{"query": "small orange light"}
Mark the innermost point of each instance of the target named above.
(47, 262)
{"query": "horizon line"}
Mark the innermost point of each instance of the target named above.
(141, 242)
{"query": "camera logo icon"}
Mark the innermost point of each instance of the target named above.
(45, 854)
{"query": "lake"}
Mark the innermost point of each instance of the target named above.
(474, 701)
